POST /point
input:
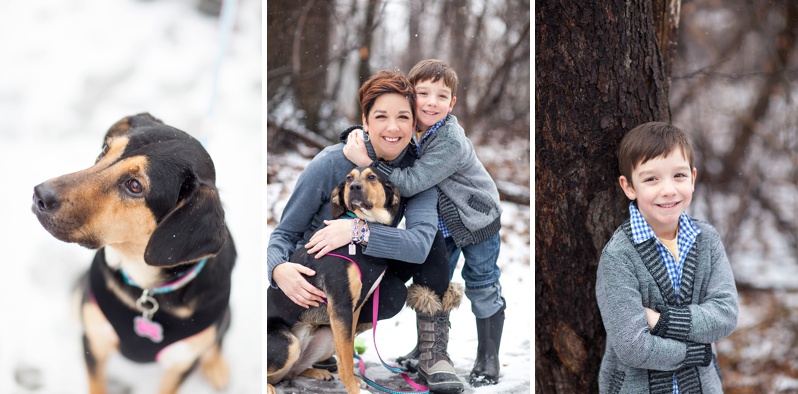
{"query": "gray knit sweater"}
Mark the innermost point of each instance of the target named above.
(468, 200)
(631, 277)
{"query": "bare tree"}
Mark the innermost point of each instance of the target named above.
(599, 72)
(733, 89)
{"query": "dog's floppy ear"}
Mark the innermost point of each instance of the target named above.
(392, 198)
(122, 126)
(337, 202)
(193, 230)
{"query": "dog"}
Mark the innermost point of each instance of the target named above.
(298, 337)
(158, 288)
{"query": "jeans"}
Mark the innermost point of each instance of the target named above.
(481, 274)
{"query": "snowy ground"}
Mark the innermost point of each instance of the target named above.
(396, 336)
(70, 70)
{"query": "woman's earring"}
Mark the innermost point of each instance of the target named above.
(365, 136)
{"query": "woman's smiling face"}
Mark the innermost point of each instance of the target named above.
(390, 125)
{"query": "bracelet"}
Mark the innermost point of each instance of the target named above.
(360, 235)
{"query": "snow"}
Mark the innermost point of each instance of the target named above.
(70, 70)
(396, 336)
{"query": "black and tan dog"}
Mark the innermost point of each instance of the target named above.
(159, 286)
(299, 337)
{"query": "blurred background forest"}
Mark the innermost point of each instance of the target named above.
(732, 83)
(319, 53)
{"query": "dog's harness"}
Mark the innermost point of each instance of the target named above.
(142, 334)
(421, 389)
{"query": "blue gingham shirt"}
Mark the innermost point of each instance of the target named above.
(441, 224)
(687, 234)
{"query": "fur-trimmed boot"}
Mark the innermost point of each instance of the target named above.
(489, 335)
(432, 323)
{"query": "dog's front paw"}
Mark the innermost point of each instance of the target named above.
(318, 374)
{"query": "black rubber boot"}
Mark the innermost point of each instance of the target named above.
(329, 364)
(489, 335)
(409, 362)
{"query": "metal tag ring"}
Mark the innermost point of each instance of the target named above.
(146, 298)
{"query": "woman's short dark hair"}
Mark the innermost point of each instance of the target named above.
(385, 82)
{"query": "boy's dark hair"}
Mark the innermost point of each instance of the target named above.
(434, 69)
(385, 82)
(648, 141)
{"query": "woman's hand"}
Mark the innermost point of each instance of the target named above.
(337, 233)
(652, 317)
(288, 277)
(355, 149)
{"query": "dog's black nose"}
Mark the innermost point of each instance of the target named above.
(45, 198)
(355, 186)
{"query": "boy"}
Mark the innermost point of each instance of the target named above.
(468, 207)
(664, 285)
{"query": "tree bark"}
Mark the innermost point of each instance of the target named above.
(599, 73)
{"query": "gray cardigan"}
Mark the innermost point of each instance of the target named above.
(631, 277)
(468, 199)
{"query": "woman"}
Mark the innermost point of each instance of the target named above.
(387, 102)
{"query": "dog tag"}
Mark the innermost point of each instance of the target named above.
(146, 328)
(352, 249)
(143, 326)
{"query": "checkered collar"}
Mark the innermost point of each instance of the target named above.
(430, 131)
(642, 232)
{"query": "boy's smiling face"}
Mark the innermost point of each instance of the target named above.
(663, 188)
(434, 101)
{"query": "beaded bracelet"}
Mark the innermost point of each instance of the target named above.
(359, 235)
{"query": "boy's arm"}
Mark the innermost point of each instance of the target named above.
(438, 162)
(715, 317)
(620, 304)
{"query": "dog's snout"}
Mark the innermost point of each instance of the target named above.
(355, 186)
(45, 198)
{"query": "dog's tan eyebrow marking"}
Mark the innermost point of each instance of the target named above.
(116, 147)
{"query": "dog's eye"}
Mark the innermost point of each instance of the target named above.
(134, 186)
(372, 177)
(350, 178)
(102, 152)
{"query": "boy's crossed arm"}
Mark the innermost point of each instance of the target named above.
(713, 318)
(628, 330)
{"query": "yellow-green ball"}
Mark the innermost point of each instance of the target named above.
(360, 346)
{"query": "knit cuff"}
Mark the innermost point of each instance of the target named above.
(382, 168)
(674, 322)
(698, 355)
(345, 134)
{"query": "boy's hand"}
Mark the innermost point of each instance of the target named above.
(355, 149)
(652, 317)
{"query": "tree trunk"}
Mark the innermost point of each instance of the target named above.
(299, 50)
(364, 69)
(599, 73)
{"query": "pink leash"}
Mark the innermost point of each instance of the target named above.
(421, 389)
